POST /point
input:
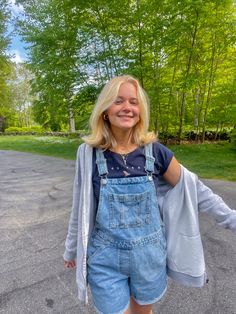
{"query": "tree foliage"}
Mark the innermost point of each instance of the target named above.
(6, 110)
(21, 97)
(182, 52)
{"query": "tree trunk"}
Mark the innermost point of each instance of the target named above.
(209, 92)
(71, 120)
(140, 54)
(184, 93)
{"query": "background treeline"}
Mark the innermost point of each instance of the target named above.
(182, 52)
(15, 90)
(5, 65)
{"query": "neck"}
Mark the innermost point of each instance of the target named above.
(122, 136)
(124, 141)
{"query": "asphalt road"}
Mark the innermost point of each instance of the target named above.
(35, 201)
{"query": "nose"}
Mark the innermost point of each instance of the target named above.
(127, 105)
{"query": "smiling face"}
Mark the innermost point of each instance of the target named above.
(124, 113)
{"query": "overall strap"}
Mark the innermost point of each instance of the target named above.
(101, 163)
(149, 165)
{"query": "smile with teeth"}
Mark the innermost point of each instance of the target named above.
(124, 116)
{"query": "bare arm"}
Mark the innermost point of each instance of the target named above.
(172, 174)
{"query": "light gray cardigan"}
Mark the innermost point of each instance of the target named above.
(179, 207)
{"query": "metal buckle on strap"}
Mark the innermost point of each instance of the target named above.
(104, 179)
(149, 175)
(149, 166)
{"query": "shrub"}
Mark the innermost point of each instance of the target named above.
(36, 129)
(233, 138)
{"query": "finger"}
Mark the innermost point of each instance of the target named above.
(67, 265)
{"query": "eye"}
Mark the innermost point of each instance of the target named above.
(118, 101)
(134, 102)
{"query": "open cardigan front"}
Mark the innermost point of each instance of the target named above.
(179, 207)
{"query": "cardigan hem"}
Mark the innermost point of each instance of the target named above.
(83, 295)
(188, 280)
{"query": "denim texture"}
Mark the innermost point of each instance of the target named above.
(127, 249)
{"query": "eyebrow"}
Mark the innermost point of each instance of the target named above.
(133, 98)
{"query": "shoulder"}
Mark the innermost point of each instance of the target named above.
(161, 150)
(162, 155)
(84, 148)
(84, 153)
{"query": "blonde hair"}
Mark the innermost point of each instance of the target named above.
(101, 135)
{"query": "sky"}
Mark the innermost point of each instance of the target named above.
(17, 46)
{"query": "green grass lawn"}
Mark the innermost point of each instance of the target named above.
(215, 161)
(45, 145)
(211, 161)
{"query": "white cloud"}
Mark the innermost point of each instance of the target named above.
(17, 56)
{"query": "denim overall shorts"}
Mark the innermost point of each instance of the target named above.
(127, 248)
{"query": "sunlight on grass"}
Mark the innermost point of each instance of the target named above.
(50, 139)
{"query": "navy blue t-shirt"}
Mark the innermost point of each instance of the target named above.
(134, 164)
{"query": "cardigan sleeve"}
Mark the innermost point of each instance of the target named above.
(71, 239)
(213, 204)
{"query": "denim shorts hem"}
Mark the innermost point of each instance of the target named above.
(120, 312)
(151, 301)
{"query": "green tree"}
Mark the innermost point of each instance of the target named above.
(51, 29)
(179, 51)
(6, 110)
(21, 97)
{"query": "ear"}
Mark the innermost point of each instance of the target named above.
(105, 116)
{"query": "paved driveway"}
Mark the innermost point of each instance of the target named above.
(35, 200)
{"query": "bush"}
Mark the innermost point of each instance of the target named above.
(38, 130)
(233, 138)
(209, 135)
(13, 130)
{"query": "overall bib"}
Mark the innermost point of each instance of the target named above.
(127, 248)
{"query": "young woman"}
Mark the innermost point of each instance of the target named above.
(135, 209)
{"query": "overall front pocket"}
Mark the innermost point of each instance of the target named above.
(129, 210)
(94, 248)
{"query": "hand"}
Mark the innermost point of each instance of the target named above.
(70, 264)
